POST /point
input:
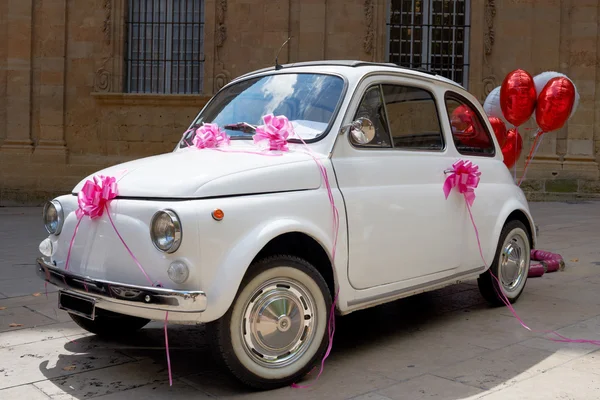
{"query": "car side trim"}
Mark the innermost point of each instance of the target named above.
(398, 292)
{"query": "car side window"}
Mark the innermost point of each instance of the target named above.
(470, 134)
(371, 107)
(414, 119)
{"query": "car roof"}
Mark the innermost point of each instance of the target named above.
(356, 64)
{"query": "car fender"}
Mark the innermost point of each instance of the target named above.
(230, 272)
(514, 203)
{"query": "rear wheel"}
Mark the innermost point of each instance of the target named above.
(510, 266)
(275, 330)
(109, 324)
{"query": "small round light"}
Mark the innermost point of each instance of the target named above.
(218, 214)
(53, 217)
(46, 247)
(178, 272)
(165, 231)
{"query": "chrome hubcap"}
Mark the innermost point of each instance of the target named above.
(513, 263)
(278, 324)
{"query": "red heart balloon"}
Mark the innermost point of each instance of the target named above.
(555, 104)
(512, 147)
(499, 130)
(517, 97)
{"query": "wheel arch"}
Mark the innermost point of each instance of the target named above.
(520, 215)
(282, 236)
(304, 246)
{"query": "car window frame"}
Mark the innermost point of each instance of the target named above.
(437, 110)
(462, 99)
(392, 79)
(387, 122)
(319, 138)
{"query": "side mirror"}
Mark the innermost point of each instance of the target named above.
(362, 131)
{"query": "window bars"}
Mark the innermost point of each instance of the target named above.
(432, 35)
(164, 46)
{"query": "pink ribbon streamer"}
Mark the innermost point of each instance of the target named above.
(92, 200)
(336, 224)
(503, 298)
(465, 178)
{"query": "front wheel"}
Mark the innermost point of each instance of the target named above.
(275, 330)
(510, 266)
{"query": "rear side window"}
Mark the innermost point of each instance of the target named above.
(470, 134)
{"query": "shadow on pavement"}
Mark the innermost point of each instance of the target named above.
(388, 345)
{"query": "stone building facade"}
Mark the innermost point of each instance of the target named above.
(91, 83)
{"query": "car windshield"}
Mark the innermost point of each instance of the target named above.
(308, 100)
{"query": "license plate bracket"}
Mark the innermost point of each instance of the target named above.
(77, 304)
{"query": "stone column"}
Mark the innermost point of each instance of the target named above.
(18, 77)
(579, 160)
(50, 46)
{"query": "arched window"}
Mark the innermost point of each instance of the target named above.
(430, 34)
(164, 48)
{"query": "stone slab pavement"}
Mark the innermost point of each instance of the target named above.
(447, 345)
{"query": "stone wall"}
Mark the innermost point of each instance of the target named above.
(63, 113)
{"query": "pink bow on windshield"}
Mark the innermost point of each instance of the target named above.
(276, 131)
(94, 195)
(464, 177)
(210, 136)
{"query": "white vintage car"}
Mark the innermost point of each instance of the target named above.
(246, 243)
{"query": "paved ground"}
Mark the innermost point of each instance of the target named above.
(444, 345)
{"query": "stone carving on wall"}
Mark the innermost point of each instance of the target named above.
(489, 84)
(488, 37)
(368, 43)
(223, 77)
(103, 78)
(221, 80)
(107, 21)
(221, 33)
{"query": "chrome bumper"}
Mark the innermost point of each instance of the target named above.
(119, 294)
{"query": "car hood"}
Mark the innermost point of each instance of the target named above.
(194, 173)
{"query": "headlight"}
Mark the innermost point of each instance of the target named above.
(53, 217)
(165, 231)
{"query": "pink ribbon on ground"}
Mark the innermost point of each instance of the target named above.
(275, 131)
(93, 199)
(465, 178)
(464, 165)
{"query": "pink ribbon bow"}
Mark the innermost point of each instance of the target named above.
(276, 131)
(464, 177)
(210, 136)
(94, 195)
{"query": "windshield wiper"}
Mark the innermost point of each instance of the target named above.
(241, 126)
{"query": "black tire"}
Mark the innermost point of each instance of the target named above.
(230, 335)
(109, 324)
(488, 284)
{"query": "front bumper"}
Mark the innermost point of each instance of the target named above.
(145, 302)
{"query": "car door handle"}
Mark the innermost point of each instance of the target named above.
(448, 171)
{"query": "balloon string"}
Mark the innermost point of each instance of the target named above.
(536, 143)
(516, 143)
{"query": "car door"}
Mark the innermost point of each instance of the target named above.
(400, 227)
(473, 140)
